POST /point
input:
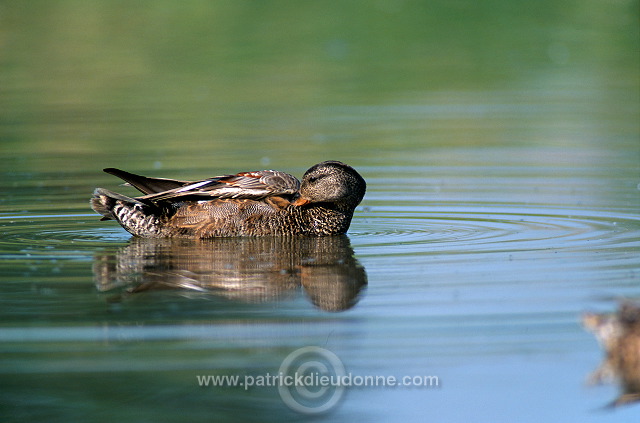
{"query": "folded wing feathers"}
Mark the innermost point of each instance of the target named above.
(256, 185)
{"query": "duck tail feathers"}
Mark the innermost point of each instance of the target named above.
(103, 202)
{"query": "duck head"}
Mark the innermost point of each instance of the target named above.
(332, 182)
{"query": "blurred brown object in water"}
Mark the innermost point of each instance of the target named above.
(619, 335)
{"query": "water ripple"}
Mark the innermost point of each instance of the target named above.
(476, 228)
(54, 234)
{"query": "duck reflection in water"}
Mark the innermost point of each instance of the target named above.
(246, 269)
(619, 336)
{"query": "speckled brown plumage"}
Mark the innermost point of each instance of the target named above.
(245, 204)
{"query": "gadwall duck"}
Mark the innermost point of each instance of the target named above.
(265, 202)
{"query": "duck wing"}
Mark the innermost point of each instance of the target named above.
(249, 185)
(145, 184)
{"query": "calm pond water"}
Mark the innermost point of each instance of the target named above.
(501, 147)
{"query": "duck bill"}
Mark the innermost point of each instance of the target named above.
(301, 201)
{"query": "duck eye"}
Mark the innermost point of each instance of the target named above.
(313, 178)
